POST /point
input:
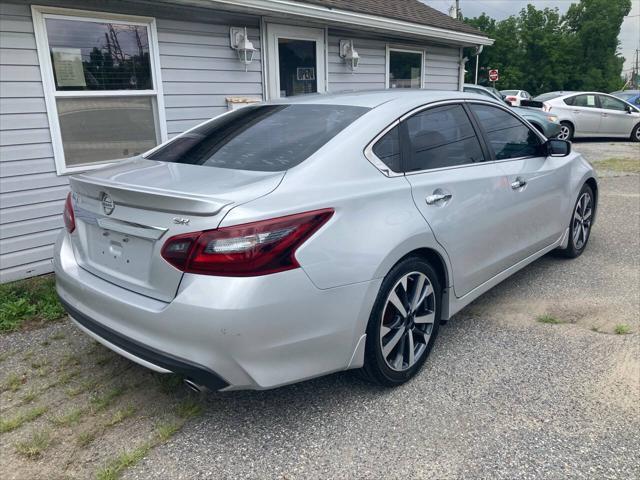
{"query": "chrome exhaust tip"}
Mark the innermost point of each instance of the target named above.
(195, 387)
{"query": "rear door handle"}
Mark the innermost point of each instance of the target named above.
(518, 183)
(438, 197)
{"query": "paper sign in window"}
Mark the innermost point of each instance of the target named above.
(67, 63)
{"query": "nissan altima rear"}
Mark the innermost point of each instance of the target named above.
(288, 240)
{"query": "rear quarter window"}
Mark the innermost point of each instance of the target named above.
(268, 138)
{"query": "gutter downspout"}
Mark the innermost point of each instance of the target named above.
(477, 55)
(463, 61)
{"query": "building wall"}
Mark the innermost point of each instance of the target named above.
(31, 194)
(441, 65)
(198, 71)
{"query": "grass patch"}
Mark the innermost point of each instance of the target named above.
(72, 416)
(121, 415)
(83, 387)
(124, 460)
(165, 431)
(28, 303)
(104, 401)
(168, 383)
(35, 445)
(13, 382)
(628, 165)
(188, 408)
(549, 319)
(71, 359)
(622, 329)
(29, 397)
(85, 438)
(9, 424)
(36, 364)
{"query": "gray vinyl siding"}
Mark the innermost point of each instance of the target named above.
(441, 65)
(199, 71)
(442, 68)
(370, 73)
(31, 194)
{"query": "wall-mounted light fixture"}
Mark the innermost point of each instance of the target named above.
(241, 44)
(349, 54)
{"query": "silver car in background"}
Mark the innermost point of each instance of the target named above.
(288, 240)
(592, 114)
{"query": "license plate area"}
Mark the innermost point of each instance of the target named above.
(120, 254)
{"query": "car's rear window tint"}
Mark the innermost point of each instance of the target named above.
(268, 138)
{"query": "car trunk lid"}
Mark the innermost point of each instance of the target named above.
(125, 213)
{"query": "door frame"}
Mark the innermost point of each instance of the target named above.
(274, 31)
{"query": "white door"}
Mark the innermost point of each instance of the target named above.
(295, 60)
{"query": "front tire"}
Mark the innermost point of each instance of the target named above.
(566, 131)
(635, 135)
(404, 323)
(581, 221)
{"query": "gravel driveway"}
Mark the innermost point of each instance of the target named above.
(502, 395)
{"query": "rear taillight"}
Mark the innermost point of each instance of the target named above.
(252, 249)
(511, 98)
(68, 215)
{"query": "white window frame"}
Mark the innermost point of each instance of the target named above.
(391, 48)
(39, 14)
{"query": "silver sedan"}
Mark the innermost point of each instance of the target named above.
(284, 241)
(592, 114)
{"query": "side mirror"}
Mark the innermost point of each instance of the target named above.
(628, 108)
(558, 148)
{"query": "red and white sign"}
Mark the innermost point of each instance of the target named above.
(494, 76)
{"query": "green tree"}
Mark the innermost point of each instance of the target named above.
(541, 50)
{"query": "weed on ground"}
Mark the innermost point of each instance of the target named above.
(70, 408)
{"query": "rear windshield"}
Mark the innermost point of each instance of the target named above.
(266, 138)
(509, 92)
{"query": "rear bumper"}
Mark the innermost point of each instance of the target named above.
(144, 355)
(225, 333)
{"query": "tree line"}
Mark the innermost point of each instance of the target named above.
(540, 50)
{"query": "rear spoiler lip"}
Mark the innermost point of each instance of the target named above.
(147, 198)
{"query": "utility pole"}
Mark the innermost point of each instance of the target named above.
(454, 10)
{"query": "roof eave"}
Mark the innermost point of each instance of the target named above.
(346, 17)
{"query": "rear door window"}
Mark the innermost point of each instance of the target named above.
(267, 138)
(441, 137)
(387, 149)
(589, 101)
(506, 134)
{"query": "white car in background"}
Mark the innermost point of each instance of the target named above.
(592, 114)
(515, 96)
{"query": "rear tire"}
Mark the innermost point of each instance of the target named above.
(635, 134)
(403, 324)
(581, 222)
(566, 131)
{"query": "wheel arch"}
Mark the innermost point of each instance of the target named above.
(593, 183)
(438, 262)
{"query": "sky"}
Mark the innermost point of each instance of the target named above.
(499, 9)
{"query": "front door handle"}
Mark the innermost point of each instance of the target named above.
(438, 197)
(518, 183)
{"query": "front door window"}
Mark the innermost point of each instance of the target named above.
(297, 67)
